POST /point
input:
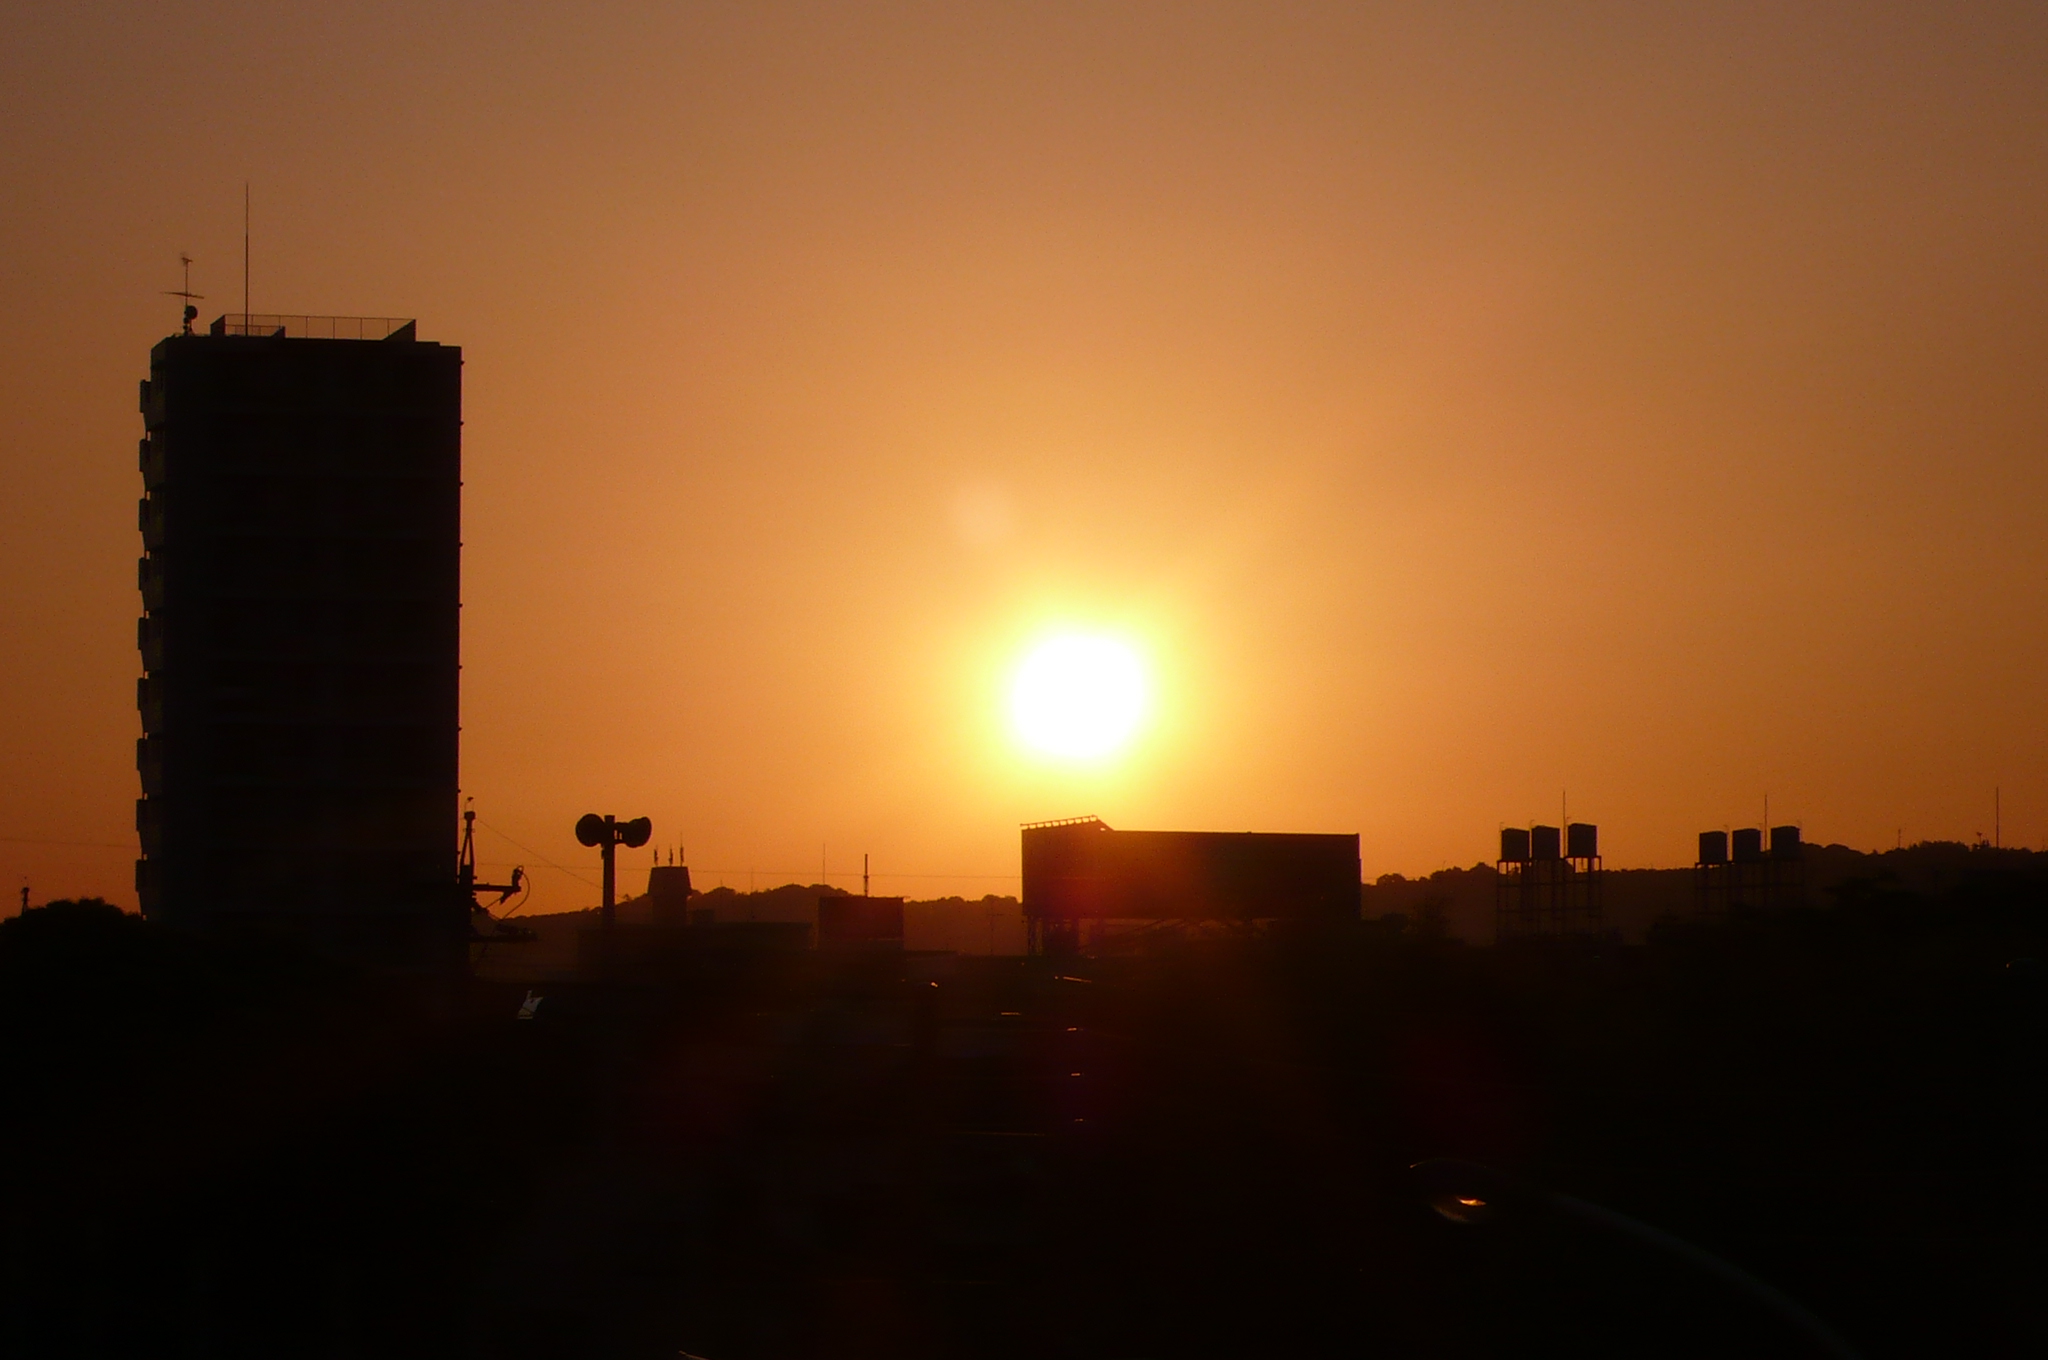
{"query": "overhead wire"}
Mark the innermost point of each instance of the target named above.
(539, 856)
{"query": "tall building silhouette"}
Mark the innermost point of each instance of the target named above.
(301, 587)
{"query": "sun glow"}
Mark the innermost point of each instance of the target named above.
(1079, 697)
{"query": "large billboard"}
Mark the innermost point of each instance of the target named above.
(1083, 870)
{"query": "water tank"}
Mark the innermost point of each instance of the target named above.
(1784, 842)
(1582, 840)
(1514, 844)
(1748, 844)
(1713, 847)
(1543, 842)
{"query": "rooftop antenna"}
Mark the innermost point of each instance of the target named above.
(863, 875)
(185, 292)
(1997, 812)
(245, 257)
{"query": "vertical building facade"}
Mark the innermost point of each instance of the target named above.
(301, 579)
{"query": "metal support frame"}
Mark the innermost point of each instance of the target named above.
(1548, 897)
(1766, 884)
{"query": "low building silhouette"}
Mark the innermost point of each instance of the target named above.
(1080, 873)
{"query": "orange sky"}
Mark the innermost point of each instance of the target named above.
(1458, 404)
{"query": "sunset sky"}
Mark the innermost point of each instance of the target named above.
(1450, 406)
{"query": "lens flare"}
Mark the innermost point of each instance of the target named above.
(1079, 697)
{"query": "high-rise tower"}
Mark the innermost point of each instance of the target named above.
(301, 582)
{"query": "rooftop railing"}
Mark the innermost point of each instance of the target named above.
(314, 327)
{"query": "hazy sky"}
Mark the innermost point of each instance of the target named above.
(1457, 405)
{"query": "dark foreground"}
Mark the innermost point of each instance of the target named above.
(214, 1150)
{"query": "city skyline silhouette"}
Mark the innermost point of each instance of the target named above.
(1096, 679)
(1451, 413)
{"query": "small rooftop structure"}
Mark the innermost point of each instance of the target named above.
(314, 327)
(668, 894)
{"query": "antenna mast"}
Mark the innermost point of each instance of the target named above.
(245, 257)
(185, 292)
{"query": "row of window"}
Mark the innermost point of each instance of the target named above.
(238, 688)
(309, 755)
(301, 566)
(382, 820)
(341, 507)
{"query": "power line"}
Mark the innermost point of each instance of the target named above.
(538, 855)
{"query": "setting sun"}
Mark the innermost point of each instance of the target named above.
(1078, 697)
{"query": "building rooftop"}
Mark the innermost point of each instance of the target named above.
(315, 327)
